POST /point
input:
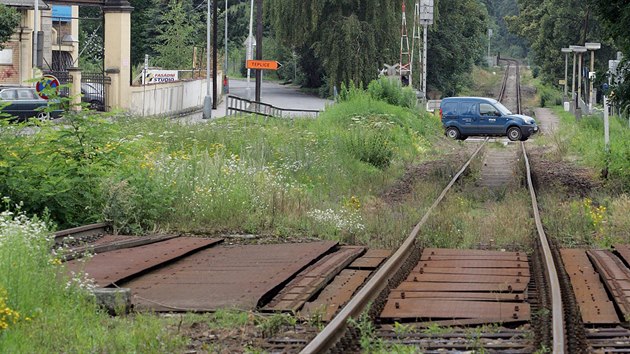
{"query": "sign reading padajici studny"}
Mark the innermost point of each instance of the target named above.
(153, 76)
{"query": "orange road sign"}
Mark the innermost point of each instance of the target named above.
(263, 64)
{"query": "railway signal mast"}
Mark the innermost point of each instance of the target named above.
(426, 19)
(405, 66)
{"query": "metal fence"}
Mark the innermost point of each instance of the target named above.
(95, 90)
(236, 106)
(94, 87)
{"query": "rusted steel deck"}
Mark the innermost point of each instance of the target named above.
(463, 284)
(372, 259)
(109, 243)
(224, 277)
(312, 280)
(115, 266)
(336, 294)
(616, 277)
(592, 299)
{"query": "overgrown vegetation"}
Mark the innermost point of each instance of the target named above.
(44, 311)
(599, 218)
(281, 177)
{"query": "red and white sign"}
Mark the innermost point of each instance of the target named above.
(153, 76)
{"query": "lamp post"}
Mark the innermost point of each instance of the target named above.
(566, 52)
(591, 75)
(207, 102)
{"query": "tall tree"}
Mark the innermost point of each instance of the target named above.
(9, 20)
(179, 29)
(345, 40)
(456, 41)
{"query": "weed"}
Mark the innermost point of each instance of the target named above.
(370, 343)
(271, 325)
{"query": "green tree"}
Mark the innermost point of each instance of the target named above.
(455, 42)
(9, 20)
(615, 17)
(178, 31)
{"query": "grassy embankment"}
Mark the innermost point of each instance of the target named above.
(297, 178)
(598, 218)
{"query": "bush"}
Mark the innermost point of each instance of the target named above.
(392, 92)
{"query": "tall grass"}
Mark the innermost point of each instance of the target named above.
(244, 174)
(56, 313)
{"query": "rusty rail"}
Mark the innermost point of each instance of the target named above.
(336, 329)
(556, 295)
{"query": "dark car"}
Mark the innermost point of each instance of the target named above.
(93, 94)
(21, 103)
(465, 116)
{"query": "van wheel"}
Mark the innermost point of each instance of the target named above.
(452, 133)
(514, 133)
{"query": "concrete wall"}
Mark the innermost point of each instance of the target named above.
(169, 98)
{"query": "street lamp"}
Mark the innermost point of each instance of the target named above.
(573, 76)
(566, 52)
(207, 102)
(591, 75)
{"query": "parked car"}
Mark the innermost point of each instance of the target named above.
(21, 103)
(93, 94)
(465, 116)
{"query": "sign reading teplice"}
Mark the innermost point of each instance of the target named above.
(154, 76)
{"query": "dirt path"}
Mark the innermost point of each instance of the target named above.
(547, 120)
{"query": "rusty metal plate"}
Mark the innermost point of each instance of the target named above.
(500, 257)
(312, 280)
(437, 309)
(115, 266)
(624, 252)
(109, 243)
(372, 259)
(481, 296)
(595, 307)
(468, 253)
(473, 263)
(336, 294)
(227, 276)
(466, 278)
(470, 287)
(473, 271)
(616, 277)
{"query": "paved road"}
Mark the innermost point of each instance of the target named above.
(282, 96)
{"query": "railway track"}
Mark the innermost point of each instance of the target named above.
(456, 300)
(432, 300)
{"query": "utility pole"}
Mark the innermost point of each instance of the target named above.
(251, 42)
(215, 22)
(225, 68)
(426, 18)
(207, 101)
(259, 39)
(35, 32)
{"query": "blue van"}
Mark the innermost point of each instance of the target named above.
(465, 116)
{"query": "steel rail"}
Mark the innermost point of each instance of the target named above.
(558, 333)
(504, 82)
(336, 328)
(557, 307)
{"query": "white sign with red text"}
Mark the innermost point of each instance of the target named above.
(154, 76)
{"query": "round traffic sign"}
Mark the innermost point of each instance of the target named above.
(47, 81)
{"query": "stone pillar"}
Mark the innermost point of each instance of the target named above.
(118, 52)
(75, 89)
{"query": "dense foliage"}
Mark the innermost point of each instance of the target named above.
(343, 41)
(503, 41)
(9, 20)
(238, 174)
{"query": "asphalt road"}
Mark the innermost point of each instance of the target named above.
(281, 96)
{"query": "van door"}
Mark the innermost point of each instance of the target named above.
(490, 119)
(469, 117)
